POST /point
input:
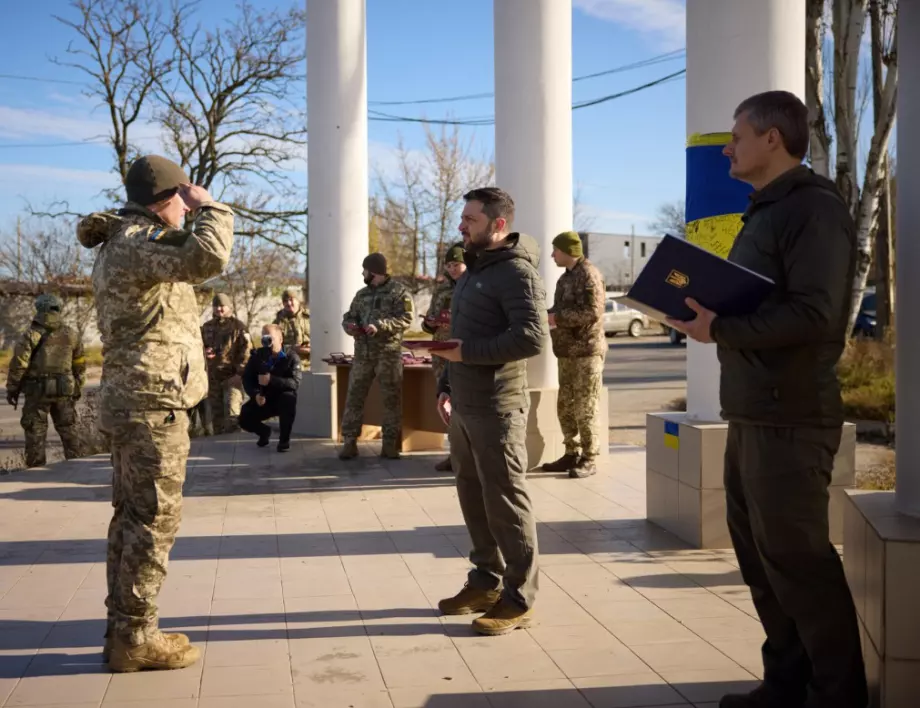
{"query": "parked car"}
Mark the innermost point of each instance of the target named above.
(866, 317)
(673, 335)
(620, 318)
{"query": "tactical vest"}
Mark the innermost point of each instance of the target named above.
(51, 367)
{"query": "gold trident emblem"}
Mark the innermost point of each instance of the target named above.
(677, 279)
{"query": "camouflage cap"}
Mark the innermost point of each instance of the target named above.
(454, 254)
(152, 178)
(47, 302)
(221, 299)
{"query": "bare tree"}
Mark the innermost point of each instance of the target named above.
(884, 247)
(226, 99)
(121, 54)
(232, 110)
(582, 219)
(671, 219)
(418, 209)
(850, 98)
(815, 38)
(256, 268)
(46, 258)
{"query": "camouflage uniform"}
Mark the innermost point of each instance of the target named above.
(295, 331)
(230, 341)
(51, 377)
(440, 309)
(580, 346)
(388, 307)
(153, 372)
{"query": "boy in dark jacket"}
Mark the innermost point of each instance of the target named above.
(271, 379)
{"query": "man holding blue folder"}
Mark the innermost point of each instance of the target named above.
(781, 397)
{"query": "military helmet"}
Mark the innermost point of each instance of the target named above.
(46, 302)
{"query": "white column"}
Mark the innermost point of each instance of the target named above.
(907, 373)
(533, 132)
(337, 166)
(735, 48)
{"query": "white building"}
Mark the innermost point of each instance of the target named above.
(619, 257)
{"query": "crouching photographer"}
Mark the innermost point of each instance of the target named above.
(271, 379)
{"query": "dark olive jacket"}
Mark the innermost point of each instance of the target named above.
(498, 309)
(779, 363)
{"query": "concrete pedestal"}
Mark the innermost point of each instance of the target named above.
(882, 562)
(684, 468)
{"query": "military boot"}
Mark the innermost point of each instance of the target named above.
(563, 464)
(444, 465)
(349, 449)
(390, 450)
(504, 617)
(107, 649)
(469, 600)
(760, 697)
(585, 467)
(160, 652)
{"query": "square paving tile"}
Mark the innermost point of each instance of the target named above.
(311, 585)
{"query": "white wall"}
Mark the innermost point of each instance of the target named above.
(617, 258)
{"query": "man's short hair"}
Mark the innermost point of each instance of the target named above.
(781, 110)
(273, 329)
(496, 203)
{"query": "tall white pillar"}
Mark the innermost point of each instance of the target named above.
(533, 132)
(907, 373)
(337, 167)
(735, 48)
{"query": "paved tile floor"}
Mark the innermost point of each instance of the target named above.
(313, 583)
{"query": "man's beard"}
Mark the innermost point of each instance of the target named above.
(478, 242)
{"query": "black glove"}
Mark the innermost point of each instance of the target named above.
(12, 398)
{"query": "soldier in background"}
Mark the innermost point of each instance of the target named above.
(294, 321)
(153, 372)
(48, 367)
(437, 321)
(577, 330)
(226, 349)
(377, 318)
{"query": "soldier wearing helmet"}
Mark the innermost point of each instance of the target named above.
(48, 368)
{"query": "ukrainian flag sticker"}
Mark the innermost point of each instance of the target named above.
(672, 435)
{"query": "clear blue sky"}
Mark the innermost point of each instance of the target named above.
(628, 153)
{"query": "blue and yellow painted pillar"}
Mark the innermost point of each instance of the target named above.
(715, 200)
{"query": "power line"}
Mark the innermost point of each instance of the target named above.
(19, 77)
(390, 118)
(490, 120)
(651, 61)
(92, 141)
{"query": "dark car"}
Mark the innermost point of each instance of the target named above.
(866, 317)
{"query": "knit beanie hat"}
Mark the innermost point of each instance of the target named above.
(569, 243)
(454, 254)
(376, 264)
(221, 299)
(152, 178)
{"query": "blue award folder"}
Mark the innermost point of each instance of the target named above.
(679, 269)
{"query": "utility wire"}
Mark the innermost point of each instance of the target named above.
(668, 56)
(390, 118)
(490, 120)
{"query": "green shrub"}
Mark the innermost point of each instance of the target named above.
(866, 373)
